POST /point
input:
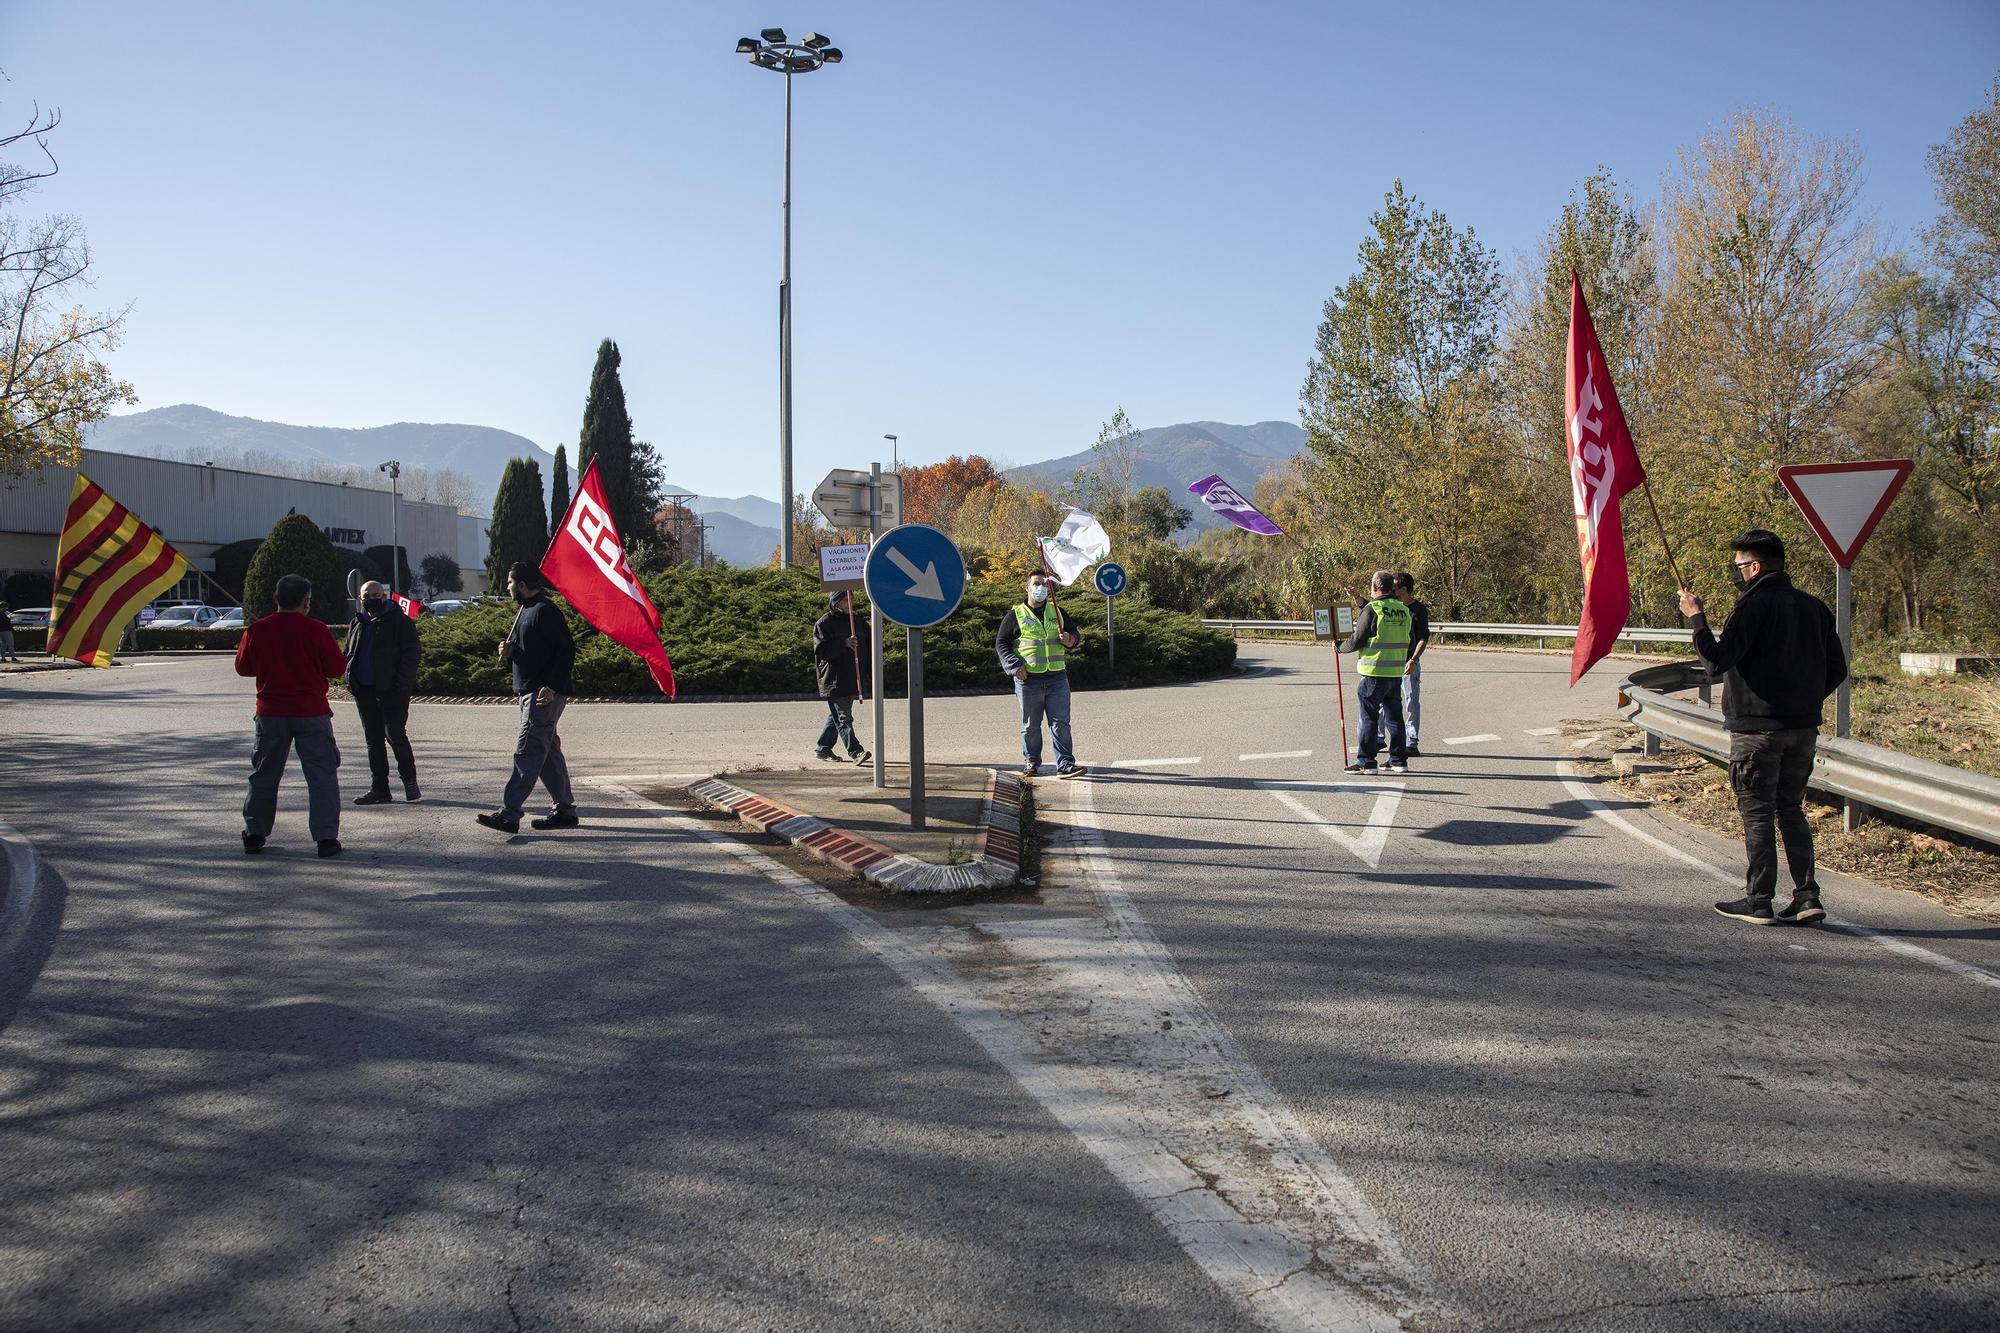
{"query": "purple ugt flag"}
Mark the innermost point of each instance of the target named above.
(1225, 500)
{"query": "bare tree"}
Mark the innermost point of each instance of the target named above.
(52, 383)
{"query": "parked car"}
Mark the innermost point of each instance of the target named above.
(31, 617)
(230, 619)
(445, 607)
(185, 617)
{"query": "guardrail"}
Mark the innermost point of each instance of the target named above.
(1442, 629)
(1866, 775)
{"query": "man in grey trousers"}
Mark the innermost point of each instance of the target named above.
(292, 656)
(541, 653)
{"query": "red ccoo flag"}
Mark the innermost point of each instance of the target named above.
(1603, 466)
(586, 563)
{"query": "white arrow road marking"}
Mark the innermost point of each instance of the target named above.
(924, 584)
(1373, 838)
(1091, 1016)
(1890, 942)
(1470, 740)
(1276, 754)
(1185, 761)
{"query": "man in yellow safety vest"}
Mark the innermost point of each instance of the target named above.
(1382, 639)
(1033, 640)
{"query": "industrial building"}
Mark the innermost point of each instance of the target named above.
(199, 508)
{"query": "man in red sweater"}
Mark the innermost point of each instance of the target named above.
(292, 656)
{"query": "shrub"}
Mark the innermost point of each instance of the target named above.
(28, 587)
(749, 631)
(295, 546)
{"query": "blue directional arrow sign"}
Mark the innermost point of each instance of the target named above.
(1110, 579)
(915, 575)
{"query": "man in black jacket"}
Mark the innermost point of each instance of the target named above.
(837, 667)
(541, 653)
(1782, 658)
(382, 656)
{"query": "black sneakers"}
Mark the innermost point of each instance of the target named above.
(1359, 768)
(1073, 771)
(1803, 909)
(410, 792)
(1754, 911)
(329, 847)
(554, 819)
(374, 796)
(1031, 770)
(498, 820)
(253, 843)
(824, 754)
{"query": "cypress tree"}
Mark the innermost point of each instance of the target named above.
(629, 471)
(559, 490)
(295, 546)
(520, 526)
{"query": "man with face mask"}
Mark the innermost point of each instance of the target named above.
(382, 657)
(1034, 640)
(1781, 658)
(541, 652)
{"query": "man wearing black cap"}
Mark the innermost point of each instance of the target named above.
(1783, 658)
(837, 665)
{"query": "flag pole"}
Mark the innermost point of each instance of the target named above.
(1661, 528)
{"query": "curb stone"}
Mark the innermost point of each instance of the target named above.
(996, 862)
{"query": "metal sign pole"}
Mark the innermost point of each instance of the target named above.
(916, 640)
(875, 619)
(1110, 636)
(1843, 625)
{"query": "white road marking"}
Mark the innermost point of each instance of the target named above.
(1543, 731)
(1370, 842)
(1095, 1022)
(1470, 740)
(1184, 762)
(1276, 754)
(1889, 942)
(17, 906)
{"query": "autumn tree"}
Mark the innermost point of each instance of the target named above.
(52, 383)
(933, 493)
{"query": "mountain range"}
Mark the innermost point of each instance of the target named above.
(743, 530)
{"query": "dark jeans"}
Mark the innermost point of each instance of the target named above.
(385, 717)
(319, 756)
(538, 756)
(839, 722)
(1381, 699)
(1769, 771)
(1045, 696)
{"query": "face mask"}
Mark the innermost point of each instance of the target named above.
(373, 605)
(1736, 577)
(1038, 594)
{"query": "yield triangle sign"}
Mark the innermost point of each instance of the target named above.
(1844, 501)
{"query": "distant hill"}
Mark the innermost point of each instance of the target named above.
(1174, 456)
(480, 452)
(743, 530)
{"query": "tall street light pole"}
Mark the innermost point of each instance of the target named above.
(895, 460)
(772, 50)
(395, 470)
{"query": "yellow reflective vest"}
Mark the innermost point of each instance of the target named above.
(1040, 649)
(1386, 653)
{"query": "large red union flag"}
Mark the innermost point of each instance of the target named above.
(1603, 466)
(586, 563)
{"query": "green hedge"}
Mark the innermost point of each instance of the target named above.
(749, 631)
(36, 641)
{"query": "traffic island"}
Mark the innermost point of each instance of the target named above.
(976, 821)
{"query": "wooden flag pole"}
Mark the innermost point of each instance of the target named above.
(1672, 564)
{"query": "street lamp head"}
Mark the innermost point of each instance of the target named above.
(801, 65)
(746, 46)
(774, 34)
(816, 40)
(831, 55)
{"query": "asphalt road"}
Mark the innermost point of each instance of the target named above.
(623, 1077)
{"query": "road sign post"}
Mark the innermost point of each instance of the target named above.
(851, 499)
(875, 623)
(1843, 502)
(1110, 581)
(915, 577)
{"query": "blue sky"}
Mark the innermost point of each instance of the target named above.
(370, 212)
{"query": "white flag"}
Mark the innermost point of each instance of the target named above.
(1080, 543)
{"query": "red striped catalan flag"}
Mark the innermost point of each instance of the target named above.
(108, 565)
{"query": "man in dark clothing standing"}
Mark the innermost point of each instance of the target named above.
(1782, 658)
(837, 667)
(1413, 672)
(1381, 639)
(292, 656)
(541, 652)
(382, 656)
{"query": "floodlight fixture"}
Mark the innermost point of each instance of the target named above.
(815, 40)
(746, 46)
(774, 34)
(831, 55)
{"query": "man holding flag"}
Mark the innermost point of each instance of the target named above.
(541, 653)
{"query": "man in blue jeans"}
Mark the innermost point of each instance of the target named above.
(1382, 641)
(541, 653)
(1033, 641)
